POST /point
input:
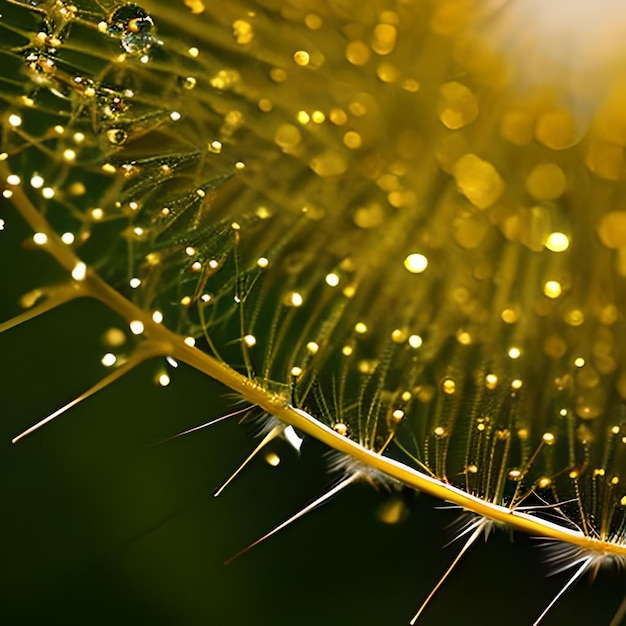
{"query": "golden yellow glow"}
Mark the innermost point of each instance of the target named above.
(313, 21)
(312, 347)
(136, 327)
(416, 263)
(399, 335)
(358, 53)
(491, 381)
(36, 181)
(448, 386)
(557, 242)
(574, 317)
(215, 147)
(302, 57)
(514, 352)
(552, 289)
(293, 298)
(272, 459)
(243, 32)
(79, 271)
(384, 39)
(458, 106)
(332, 279)
(338, 117)
(108, 360)
(397, 415)
(352, 140)
(163, 380)
(546, 181)
(415, 341)
(478, 180)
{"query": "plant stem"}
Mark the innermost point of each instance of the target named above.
(166, 343)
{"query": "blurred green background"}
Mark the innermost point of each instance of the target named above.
(101, 527)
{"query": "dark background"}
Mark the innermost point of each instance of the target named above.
(100, 527)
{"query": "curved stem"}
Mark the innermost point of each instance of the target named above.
(278, 406)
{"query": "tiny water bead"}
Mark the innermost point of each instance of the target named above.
(134, 27)
(117, 136)
(416, 263)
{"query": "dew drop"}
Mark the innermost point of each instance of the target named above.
(116, 136)
(134, 27)
(108, 360)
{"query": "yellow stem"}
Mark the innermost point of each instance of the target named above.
(276, 405)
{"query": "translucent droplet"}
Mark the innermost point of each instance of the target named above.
(111, 103)
(478, 181)
(187, 82)
(117, 136)
(134, 27)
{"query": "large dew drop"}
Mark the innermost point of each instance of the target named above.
(134, 27)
